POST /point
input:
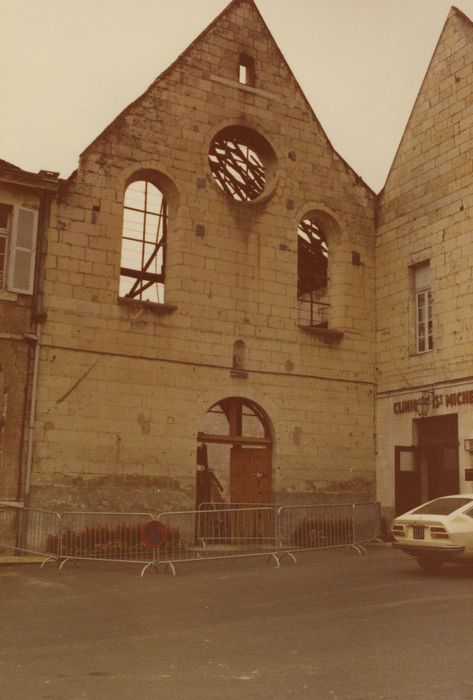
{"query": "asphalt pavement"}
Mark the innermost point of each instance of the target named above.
(333, 627)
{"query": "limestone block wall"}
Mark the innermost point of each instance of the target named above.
(123, 434)
(124, 387)
(425, 214)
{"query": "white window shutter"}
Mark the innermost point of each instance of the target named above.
(23, 250)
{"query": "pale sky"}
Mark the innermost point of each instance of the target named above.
(68, 67)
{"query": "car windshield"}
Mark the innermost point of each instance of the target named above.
(442, 506)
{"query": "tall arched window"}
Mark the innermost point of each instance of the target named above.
(312, 271)
(143, 256)
(312, 257)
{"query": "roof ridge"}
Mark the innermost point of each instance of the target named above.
(461, 14)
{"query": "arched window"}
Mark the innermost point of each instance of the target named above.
(144, 234)
(312, 270)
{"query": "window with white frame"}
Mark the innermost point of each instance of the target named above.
(18, 232)
(423, 307)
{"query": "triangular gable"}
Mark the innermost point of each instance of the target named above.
(454, 17)
(181, 58)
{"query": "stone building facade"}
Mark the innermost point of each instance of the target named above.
(129, 373)
(223, 295)
(424, 253)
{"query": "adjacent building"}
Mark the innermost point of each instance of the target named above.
(424, 256)
(24, 213)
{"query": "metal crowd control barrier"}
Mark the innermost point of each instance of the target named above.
(29, 530)
(211, 505)
(230, 531)
(323, 526)
(216, 534)
(102, 536)
(366, 523)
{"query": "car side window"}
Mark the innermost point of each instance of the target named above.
(469, 513)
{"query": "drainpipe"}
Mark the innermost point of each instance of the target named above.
(38, 316)
(32, 417)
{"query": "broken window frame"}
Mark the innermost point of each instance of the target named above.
(311, 247)
(144, 278)
(237, 167)
(312, 272)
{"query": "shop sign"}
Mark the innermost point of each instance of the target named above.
(451, 400)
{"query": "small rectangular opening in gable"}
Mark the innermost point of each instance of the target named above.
(246, 70)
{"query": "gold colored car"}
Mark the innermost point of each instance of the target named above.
(437, 532)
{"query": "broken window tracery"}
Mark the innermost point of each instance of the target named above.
(237, 168)
(144, 235)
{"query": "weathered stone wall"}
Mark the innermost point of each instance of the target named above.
(123, 390)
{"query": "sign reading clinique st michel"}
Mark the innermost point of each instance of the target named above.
(455, 399)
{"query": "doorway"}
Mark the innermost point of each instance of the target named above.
(237, 444)
(430, 468)
(438, 455)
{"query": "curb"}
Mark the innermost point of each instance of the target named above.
(8, 561)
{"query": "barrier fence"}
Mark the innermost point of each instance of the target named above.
(102, 537)
(28, 530)
(226, 531)
(314, 527)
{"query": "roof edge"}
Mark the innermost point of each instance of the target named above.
(14, 175)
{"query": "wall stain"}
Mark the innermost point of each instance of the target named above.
(145, 424)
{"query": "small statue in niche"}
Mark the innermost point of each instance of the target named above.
(238, 362)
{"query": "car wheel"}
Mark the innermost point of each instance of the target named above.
(429, 564)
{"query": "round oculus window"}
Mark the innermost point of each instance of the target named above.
(237, 159)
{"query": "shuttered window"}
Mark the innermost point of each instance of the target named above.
(22, 250)
(5, 223)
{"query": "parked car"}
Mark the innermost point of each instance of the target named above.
(437, 532)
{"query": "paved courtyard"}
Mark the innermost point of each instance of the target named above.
(334, 626)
